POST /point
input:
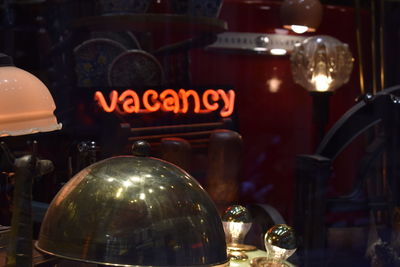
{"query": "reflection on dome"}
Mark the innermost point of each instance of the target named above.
(134, 211)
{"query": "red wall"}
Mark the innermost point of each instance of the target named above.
(275, 123)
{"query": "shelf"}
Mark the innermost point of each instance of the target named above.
(153, 23)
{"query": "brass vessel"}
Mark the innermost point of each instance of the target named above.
(134, 211)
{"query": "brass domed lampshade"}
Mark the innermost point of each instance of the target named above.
(26, 105)
(134, 211)
(301, 15)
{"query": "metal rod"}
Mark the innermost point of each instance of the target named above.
(385, 191)
(382, 42)
(373, 47)
(359, 46)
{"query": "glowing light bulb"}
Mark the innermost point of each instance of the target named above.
(299, 28)
(321, 63)
(278, 51)
(260, 49)
(321, 82)
(274, 84)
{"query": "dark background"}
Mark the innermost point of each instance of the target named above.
(275, 126)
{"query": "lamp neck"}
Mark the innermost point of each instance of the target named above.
(320, 112)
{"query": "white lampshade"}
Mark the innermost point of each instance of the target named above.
(26, 105)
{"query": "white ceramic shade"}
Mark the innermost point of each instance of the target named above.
(26, 105)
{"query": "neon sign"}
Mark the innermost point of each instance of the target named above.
(168, 101)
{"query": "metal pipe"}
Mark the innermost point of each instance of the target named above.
(359, 47)
(373, 48)
(382, 42)
(384, 167)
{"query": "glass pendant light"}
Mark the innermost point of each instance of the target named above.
(301, 15)
(321, 63)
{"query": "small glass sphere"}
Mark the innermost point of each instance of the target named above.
(236, 213)
(280, 242)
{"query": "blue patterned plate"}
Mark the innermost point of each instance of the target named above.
(135, 68)
(126, 38)
(92, 61)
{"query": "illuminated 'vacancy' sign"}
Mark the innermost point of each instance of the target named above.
(169, 100)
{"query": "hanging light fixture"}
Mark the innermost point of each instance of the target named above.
(301, 15)
(321, 64)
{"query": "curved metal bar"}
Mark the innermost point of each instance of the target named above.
(390, 90)
(356, 121)
(353, 123)
(313, 171)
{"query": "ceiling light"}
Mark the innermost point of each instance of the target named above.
(278, 51)
(304, 13)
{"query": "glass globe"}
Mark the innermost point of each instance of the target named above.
(321, 63)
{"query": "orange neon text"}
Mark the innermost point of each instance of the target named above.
(169, 100)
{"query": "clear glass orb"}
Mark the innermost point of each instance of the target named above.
(237, 213)
(321, 63)
(280, 242)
